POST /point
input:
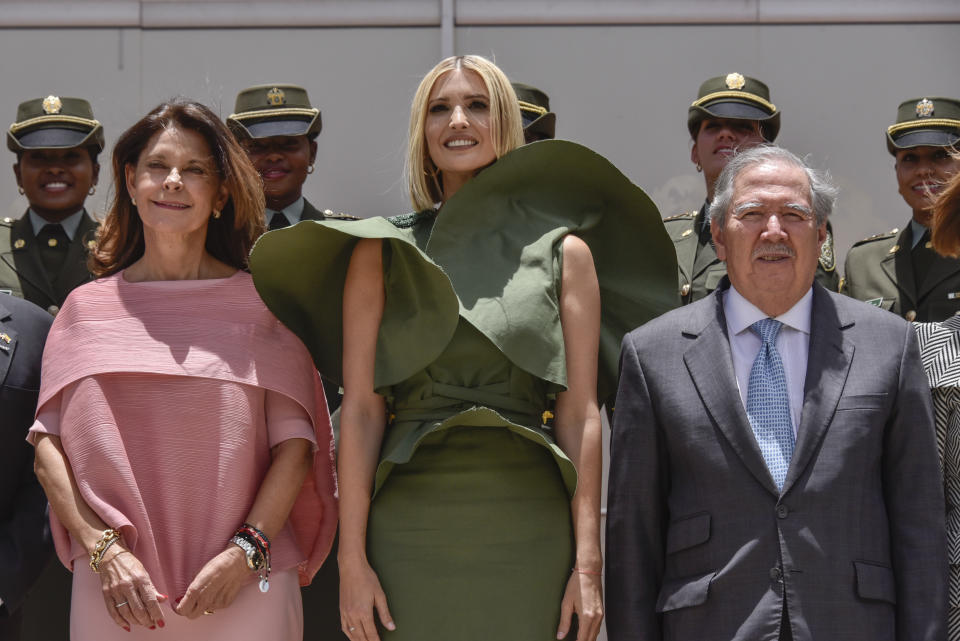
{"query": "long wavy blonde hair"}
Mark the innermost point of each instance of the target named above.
(506, 127)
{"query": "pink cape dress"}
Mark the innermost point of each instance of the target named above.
(167, 397)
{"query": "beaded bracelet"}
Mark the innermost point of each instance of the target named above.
(108, 538)
(255, 539)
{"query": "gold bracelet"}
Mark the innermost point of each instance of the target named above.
(108, 538)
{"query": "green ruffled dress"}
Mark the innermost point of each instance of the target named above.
(469, 528)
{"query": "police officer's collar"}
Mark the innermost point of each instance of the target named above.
(69, 224)
(917, 231)
(292, 212)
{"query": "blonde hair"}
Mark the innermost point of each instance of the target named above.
(506, 125)
(945, 234)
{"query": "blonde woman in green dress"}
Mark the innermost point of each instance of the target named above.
(466, 513)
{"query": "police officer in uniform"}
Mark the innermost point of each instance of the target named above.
(43, 254)
(539, 123)
(731, 113)
(278, 128)
(899, 270)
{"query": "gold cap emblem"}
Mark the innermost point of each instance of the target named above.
(276, 97)
(735, 81)
(52, 105)
(52, 242)
(924, 109)
(19, 243)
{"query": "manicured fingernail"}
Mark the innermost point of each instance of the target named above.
(391, 626)
(178, 599)
(162, 595)
(560, 635)
(153, 627)
(126, 628)
(161, 623)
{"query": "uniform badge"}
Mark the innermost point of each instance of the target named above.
(52, 105)
(276, 97)
(5, 338)
(924, 109)
(686, 232)
(894, 249)
(876, 302)
(19, 243)
(735, 81)
(91, 245)
(828, 259)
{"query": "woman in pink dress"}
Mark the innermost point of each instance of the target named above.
(182, 435)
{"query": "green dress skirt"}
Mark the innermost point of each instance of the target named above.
(469, 527)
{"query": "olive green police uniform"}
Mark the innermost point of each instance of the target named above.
(733, 97)
(26, 258)
(896, 270)
(264, 111)
(539, 123)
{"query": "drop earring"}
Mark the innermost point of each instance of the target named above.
(310, 168)
(20, 189)
(699, 168)
(216, 213)
(133, 201)
(93, 190)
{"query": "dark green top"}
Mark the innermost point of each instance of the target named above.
(21, 267)
(699, 269)
(470, 333)
(880, 271)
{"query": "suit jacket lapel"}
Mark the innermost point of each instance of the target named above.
(710, 365)
(898, 267)
(27, 260)
(827, 367)
(310, 212)
(941, 269)
(8, 343)
(74, 271)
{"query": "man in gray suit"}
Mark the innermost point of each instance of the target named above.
(774, 473)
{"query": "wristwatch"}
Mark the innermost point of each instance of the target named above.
(255, 560)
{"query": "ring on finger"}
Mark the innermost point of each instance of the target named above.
(353, 629)
(120, 605)
(208, 611)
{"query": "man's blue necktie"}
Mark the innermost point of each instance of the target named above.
(768, 406)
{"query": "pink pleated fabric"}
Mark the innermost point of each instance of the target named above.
(167, 397)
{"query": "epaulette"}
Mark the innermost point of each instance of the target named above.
(887, 234)
(406, 221)
(687, 215)
(328, 213)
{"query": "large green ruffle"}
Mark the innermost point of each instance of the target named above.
(492, 258)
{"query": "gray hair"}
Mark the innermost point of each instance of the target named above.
(823, 193)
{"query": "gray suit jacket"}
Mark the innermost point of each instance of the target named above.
(700, 544)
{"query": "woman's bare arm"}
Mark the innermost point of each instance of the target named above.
(362, 420)
(578, 429)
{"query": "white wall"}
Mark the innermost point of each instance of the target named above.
(622, 90)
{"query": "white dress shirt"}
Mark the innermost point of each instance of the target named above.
(793, 344)
(291, 212)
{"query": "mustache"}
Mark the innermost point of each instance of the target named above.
(779, 250)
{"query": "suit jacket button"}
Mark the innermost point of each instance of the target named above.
(776, 574)
(685, 289)
(911, 315)
(53, 309)
(782, 511)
